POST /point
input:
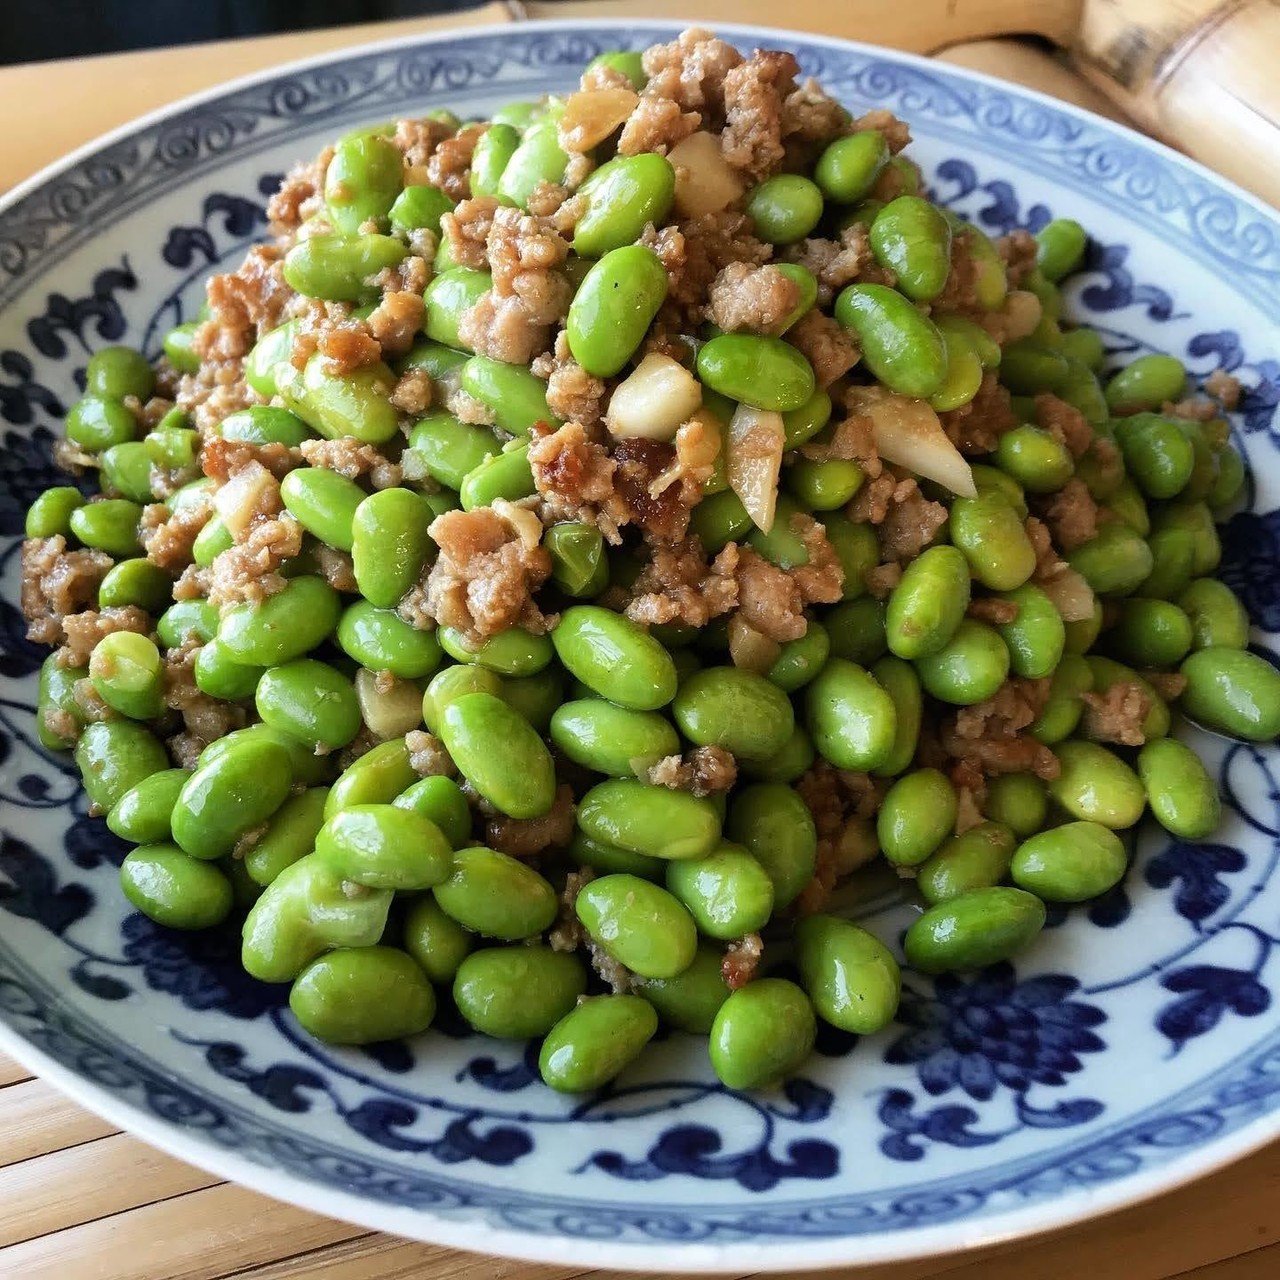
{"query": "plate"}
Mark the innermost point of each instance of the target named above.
(1136, 1046)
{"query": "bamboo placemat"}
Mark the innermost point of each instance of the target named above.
(80, 1200)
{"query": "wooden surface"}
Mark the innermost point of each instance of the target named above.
(81, 1201)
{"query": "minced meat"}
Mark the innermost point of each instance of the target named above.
(1117, 714)
(704, 771)
(82, 631)
(677, 585)
(741, 961)
(353, 458)
(752, 299)
(1071, 515)
(57, 583)
(826, 344)
(529, 837)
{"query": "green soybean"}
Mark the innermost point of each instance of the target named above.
(977, 859)
(135, 582)
(323, 502)
(848, 168)
(516, 396)
(764, 372)
(1234, 692)
(916, 815)
(976, 929)
(613, 308)
(113, 756)
(179, 347)
(142, 815)
(390, 544)
(357, 403)
(690, 1000)
(775, 826)
(734, 709)
(900, 681)
(110, 525)
(991, 536)
(284, 626)
(911, 238)
(1146, 383)
(1217, 617)
(615, 657)
(447, 297)
(801, 659)
(901, 347)
(1038, 461)
(1060, 246)
(539, 158)
(1070, 863)
(514, 652)
(610, 739)
(762, 1033)
(362, 995)
(857, 630)
(490, 159)
(928, 604)
(377, 777)
(1150, 633)
(310, 701)
(622, 196)
(850, 716)
(1158, 454)
(496, 895)
(728, 893)
(1115, 562)
(380, 640)
(421, 207)
(59, 717)
(969, 668)
(126, 470)
(595, 1042)
(450, 450)
(442, 802)
(639, 924)
(173, 889)
(452, 683)
(272, 349)
(515, 993)
(1180, 791)
(1063, 709)
(50, 513)
(385, 847)
(1195, 519)
(438, 944)
(849, 974)
(519, 780)
(785, 208)
(607, 858)
(362, 181)
(579, 562)
(1018, 801)
(651, 820)
(338, 268)
(96, 424)
(1095, 785)
(1037, 636)
(127, 673)
(289, 836)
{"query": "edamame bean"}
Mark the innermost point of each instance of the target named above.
(648, 819)
(514, 652)
(142, 814)
(928, 604)
(764, 372)
(1151, 633)
(802, 424)
(735, 709)
(211, 542)
(438, 944)
(615, 657)
(916, 815)
(850, 717)
(1234, 692)
(128, 675)
(1173, 556)
(448, 296)
(991, 283)
(450, 450)
(579, 563)
(719, 520)
(362, 995)
(990, 534)
(380, 640)
(59, 716)
(1217, 617)
(785, 208)
(850, 975)
(385, 847)
(535, 697)
(901, 347)
(1095, 785)
(1038, 461)
(1193, 518)
(608, 858)
(762, 1033)
(490, 159)
(911, 238)
(289, 836)
(972, 665)
(222, 800)
(1070, 863)
(1157, 453)
(775, 826)
(271, 350)
(622, 196)
(113, 756)
(109, 525)
(639, 924)
(1146, 383)
(848, 168)
(857, 630)
(96, 424)
(977, 859)
(1115, 562)
(690, 1000)
(1036, 637)
(338, 268)
(515, 993)
(496, 895)
(307, 768)
(173, 889)
(900, 681)
(135, 582)
(728, 893)
(323, 502)
(283, 626)
(595, 1042)
(1017, 801)
(1064, 707)
(126, 470)
(1229, 485)
(442, 802)
(539, 158)
(517, 397)
(50, 513)
(609, 739)
(976, 929)
(1028, 367)
(825, 485)
(1060, 246)
(389, 544)
(356, 403)
(963, 377)
(500, 754)
(377, 777)
(508, 475)
(179, 347)
(800, 660)
(1126, 502)
(362, 181)
(310, 701)
(451, 684)
(1182, 794)
(1082, 390)
(990, 480)
(613, 308)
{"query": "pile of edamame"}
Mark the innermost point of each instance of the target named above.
(370, 890)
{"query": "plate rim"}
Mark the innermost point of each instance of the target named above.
(476, 1235)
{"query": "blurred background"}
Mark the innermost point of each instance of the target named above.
(34, 30)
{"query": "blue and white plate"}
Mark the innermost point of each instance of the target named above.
(1137, 1045)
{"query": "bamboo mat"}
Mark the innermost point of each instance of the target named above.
(80, 1200)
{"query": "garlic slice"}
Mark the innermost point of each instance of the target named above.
(753, 461)
(908, 434)
(705, 181)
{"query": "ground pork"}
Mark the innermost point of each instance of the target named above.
(449, 164)
(1117, 714)
(741, 961)
(489, 566)
(1064, 422)
(57, 583)
(960, 289)
(975, 428)
(1225, 388)
(1071, 515)
(221, 459)
(842, 803)
(704, 771)
(249, 571)
(573, 394)
(215, 391)
(826, 344)
(395, 321)
(412, 392)
(752, 299)
(659, 509)
(204, 719)
(417, 139)
(466, 231)
(1018, 249)
(1049, 564)
(897, 133)
(695, 252)
(753, 95)
(677, 585)
(990, 609)
(243, 305)
(299, 195)
(83, 630)
(881, 580)
(353, 458)
(990, 737)
(574, 474)
(567, 934)
(772, 600)
(910, 523)
(428, 757)
(529, 837)
(1168, 684)
(811, 115)
(836, 263)
(336, 568)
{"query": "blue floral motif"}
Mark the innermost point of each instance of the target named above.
(1198, 870)
(20, 399)
(1208, 992)
(30, 888)
(99, 312)
(1120, 289)
(1251, 564)
(909, 1131)
(239, 218)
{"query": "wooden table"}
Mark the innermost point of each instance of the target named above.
(80, 1200)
